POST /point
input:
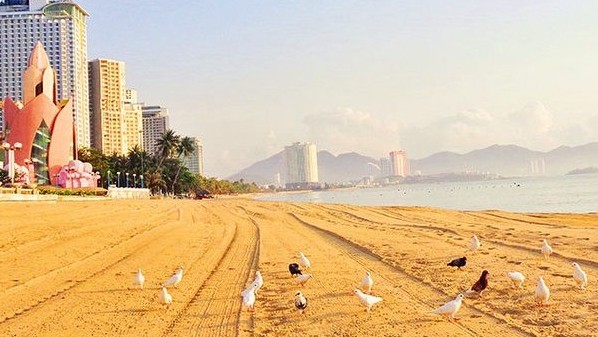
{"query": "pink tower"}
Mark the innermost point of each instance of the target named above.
(43, 126)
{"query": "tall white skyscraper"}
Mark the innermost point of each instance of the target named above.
(301, 164)
(61, 26)
(155, 124)
(194, 162)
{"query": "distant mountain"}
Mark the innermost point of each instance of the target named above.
(504, 160)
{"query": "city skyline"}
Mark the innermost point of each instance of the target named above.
(368, 76)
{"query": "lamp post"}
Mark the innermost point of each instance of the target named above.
(108, 174)
(9, 151)
(141, 177)
(134, 180)
(118, 179)
(127, 174)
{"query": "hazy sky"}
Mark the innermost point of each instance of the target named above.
(250, 77)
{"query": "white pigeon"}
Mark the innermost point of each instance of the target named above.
(580, 276)
(474, 244)
(304, 262)
(517, 278)
(300, 302)
(175, 279)
(542, 292)
(302, 279)
(259, 281)
(165, 297)
(367, 282)
(139, 278)
(249, 296)
(546, 249)
(250, 287)
(449, 309)
(367, 300)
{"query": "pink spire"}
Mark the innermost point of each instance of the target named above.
(39, 58)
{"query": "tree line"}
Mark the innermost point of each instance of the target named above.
(162, 172)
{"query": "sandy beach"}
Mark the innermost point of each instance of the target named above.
(67, 269)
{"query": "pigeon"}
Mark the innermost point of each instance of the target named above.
(480, 285)
(259, 281)
(367, 300)
(304, 261)
(542, 292)
(300, 302)
(460, 262)
(249, 296)
(450, 308)
(579, 276)
(517, 278)
(302, 279)
(139, 279)
(175, 279)
(546, 249)
(294, 269)
(165, 297)
(367, 282)
(474, 244)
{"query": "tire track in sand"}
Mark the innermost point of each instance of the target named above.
(215, 309)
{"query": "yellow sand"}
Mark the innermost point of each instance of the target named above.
(67, 268)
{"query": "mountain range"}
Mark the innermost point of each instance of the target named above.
(502, 160)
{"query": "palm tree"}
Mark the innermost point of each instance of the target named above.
(167, 144)
(185, 148)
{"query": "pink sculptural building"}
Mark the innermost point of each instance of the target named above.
(44, 131)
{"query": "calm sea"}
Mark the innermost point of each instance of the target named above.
(562, 194)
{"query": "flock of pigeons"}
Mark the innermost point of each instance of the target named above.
(542, 292)
(449, 309)
(249, 293)
(164, 297)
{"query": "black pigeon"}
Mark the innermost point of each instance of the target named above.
(460, 262)
(294, 269)
(300, 301)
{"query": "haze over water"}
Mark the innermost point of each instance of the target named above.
(558, 194)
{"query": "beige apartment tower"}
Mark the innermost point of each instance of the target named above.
(107, 105)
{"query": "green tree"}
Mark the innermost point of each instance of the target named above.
(167, 144)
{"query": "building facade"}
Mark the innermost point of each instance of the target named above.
(133, 135)
(194, 162)
(61, 26)
(301, 165)
(155, 124)
(399, 163)
(107, 105)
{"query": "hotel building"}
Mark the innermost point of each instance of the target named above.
(399, 164)
(155, 124)
(301, 164)
(194, 162)
(61, 26)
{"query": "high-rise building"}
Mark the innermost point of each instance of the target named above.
(194, 162)
(133, 127)
(61, 26)
(399, 163)
(155, 124)
(301, 164)
(384, 167)
(107, 105)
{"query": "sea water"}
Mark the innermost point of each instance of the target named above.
(557, 194)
